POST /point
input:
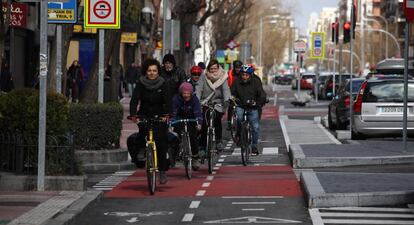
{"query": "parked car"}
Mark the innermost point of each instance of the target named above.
(393, 66)
(306, 82)
(327, 88)
(338, 109)
(378, 108)
(286, 79)
(323, 76)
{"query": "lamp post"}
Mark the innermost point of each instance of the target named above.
(386, 28)
(275, 18)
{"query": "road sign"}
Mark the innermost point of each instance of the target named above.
(62, 11)
(318, 45)
(232, 44)
(103, 14)
(299, 46)
(409, 10)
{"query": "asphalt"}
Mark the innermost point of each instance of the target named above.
(325, 169)
(311, 147)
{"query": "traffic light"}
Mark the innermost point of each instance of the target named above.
(347, 32)
(187, 46)
(335, 32)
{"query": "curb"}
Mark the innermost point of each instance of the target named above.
(282, 119)
(316, 197)
(299, 160)
(70, 214)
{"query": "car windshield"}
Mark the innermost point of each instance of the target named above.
(356, 85)
(387, 92)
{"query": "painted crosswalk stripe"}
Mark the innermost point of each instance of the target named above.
(361, 215)
(188, 217)
(201, 193)
(210, 178)
(206, 184)
(253, 203)
(252, 197)
(260, 209)
(221, 160)
(270, 151)
(194, 204)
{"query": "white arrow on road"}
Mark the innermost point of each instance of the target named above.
(253, 219)
(133, 220)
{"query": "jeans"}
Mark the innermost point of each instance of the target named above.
(131, 87)
(253, 117)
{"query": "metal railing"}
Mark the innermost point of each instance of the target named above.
(18, 154)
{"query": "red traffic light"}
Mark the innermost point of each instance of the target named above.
(347, 25)
(187, 44)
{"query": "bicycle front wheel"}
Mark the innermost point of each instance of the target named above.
(151, 169)
(233, 127)
(187, 156)
(210, 151)
(245, 143)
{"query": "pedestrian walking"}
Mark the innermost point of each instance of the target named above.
(75, 76)
(131, 77)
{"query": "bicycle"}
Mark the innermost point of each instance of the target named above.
(245, 131)
(151, 158)
(211, 137)
(185, 152)
(233, 123)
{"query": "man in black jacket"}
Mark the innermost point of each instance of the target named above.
(172, 74)
(251, 96)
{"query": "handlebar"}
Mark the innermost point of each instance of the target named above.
(146, 120)
(183, 121)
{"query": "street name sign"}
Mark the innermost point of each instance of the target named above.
(62, 11)
(409, 10)
(318, 45)
(104, 14)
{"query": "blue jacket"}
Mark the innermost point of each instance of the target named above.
(186, 110)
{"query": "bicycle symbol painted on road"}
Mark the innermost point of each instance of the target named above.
(134, 215)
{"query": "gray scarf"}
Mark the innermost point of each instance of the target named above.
(151, 84)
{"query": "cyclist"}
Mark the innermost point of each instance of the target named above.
(213, 88)
(249, 91)
(196, 72)
(187, 106)
(151, 92)
(233, 75)
(172, 73)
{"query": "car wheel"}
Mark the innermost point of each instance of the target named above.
(357, 136)
(339, 124)
(330, 124)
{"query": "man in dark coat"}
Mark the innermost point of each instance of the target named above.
(172, 73)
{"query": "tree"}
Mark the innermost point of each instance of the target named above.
(229, 21)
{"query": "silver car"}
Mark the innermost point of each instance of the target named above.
(378, 108)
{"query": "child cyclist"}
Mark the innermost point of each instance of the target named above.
(186, 105)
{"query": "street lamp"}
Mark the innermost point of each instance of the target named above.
(386, 42)
(386, 28)
(275, 18)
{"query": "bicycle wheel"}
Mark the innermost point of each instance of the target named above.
(233, 127)
(187, 156)
(244, 142)
(210, 151)
(150, 168)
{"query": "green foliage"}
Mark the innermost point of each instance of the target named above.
(133, 12)
(19, 111)
(96, 126)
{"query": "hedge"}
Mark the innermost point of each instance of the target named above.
(19, 112)
(96, 126)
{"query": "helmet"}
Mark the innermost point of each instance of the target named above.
(237, 63)
(247, 69)
(196, 70)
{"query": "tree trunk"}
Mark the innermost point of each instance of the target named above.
(116, 67)
(67, 31)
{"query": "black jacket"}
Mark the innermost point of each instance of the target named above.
(250, 90)
(174, 78)
(152, 102)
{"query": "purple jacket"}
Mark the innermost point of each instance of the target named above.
(186, 110)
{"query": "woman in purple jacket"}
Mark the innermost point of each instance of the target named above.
(186, 105)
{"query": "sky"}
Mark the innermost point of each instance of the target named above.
(305, 8)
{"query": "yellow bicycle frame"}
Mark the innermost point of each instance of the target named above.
(151, 141)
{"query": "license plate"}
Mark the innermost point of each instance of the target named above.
(392, 109)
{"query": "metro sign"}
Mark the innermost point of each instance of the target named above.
(103, 14)
(232, 44)
(409, 10)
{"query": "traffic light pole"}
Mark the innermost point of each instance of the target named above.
(334, 64)
(406, 57)
(351, 99)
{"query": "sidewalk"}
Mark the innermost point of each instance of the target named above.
(312, 146)
(48, 208)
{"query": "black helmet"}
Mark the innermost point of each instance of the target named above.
(237, 63)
